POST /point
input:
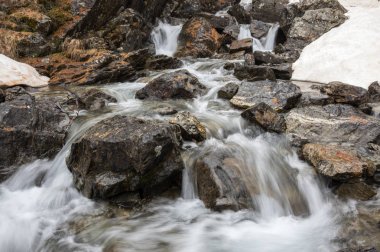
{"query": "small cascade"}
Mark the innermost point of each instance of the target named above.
(165, 38)
(265, 44)
(245, 3)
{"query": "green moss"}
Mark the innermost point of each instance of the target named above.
(59, 16)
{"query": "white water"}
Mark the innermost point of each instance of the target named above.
(267, 43)
(35, 213)
(165, 37)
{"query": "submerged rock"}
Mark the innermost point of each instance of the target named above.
(177, 85)
(265, 116)
(94, 99)
(219, 182)
(280, 95)
(356, 191)
(191, 127)
(124, 157)
(198, 39)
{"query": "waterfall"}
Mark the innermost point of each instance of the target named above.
(165, 38)
(245, 3)
(267, 43)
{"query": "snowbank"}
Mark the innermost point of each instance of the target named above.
(13, 73)
(349, 53)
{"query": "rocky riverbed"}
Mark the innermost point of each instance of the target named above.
(176, 126)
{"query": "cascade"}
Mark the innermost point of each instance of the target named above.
(165, 38)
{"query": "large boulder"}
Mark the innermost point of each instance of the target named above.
(265, 116)
(31, 127)
(198, 38)
(333, 123)
(241, 15)
(177, 85)
(280, 95)
(268, 10)
(122, 158)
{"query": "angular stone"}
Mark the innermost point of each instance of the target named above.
(345, 93)
(241, 15)
(228, 91)
(334, 161)
(122, 156)
(254, 73)
(334, 123)
(177, 85)
(374, 92)
(259, 29)
(191, 127)
(94, 99)
(265, 116)
(280, 95)
(241, 45)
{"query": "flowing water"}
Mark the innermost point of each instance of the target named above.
(266, 43)
(165, 37)
(290, 210)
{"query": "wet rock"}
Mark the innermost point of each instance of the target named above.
(229, 66)
(265, 116)
(198, 39)
(123, 156)
(254, 73)
(161, 62)
(280, 95)
(366, 108)
(316, 22)
(359, 249)
(241, 15)
(219, 182)
(94, 99)
(241, 45)
(177, 85)
(344, 93)
(232, 30)
(374, 92)
(31, 127)
(191, 127)
(228, 91)
(333, 123)
(336, 162)
(259, 29)
(356, 191)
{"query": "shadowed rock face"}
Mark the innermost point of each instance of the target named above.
(198, 39)
(177, 85)
(125, 156)
(31, 128)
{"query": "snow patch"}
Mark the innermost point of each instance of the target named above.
(349, 53)
(14, 73)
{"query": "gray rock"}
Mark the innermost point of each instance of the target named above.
(374, 92)
(254, 73)
(177, 85)
(333, 123)
(345, 93)
(280, 95)
(124, 156)
(241, 45)
(228, 91)
(259, 29)
(241, 15)
(356, 191)
(161, 62)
